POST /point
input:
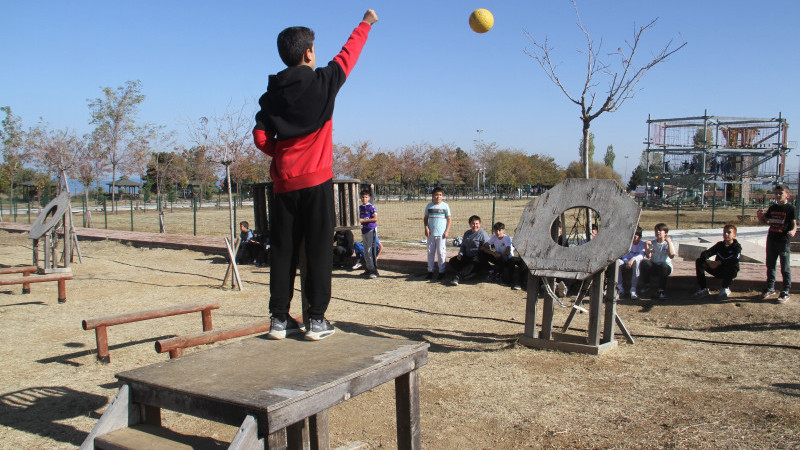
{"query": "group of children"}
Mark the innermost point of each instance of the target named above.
(294, 127)
(652, 260)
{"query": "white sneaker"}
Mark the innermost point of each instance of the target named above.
(724, 293)
(634, 296)
(356, 266)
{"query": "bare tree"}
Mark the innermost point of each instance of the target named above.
(15, 152)
(114, 115)
(57, 151)
(226, 139)
(623, 75)
(162, 161)
(90, 169)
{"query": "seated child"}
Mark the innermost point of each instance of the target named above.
(498, 250)
(359, 249)
(725, 265)
(342, 247)
(659, 253)
(468, 262)
(629, 264)
(250, 251)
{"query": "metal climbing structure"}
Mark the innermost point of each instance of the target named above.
(688, 157)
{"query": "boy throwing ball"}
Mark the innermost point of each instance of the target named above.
(294, 127)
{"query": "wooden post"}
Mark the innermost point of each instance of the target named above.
(406, 391)
(530, 307)
(47, 252)
(26, 287)
(276, 440)
(35, 252)
(612, 277)
(318, 431)
(297, 435)
(547, 315)
(207, 324)
(62, 291)
(101, 336)
(595, 303)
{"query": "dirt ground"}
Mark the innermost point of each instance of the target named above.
(702, 373)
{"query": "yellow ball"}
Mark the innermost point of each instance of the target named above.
(481, 20)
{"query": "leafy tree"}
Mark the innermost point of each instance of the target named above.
(15, 153)
(638, 178)
(610, 156)
(601, 171)
(114, 115)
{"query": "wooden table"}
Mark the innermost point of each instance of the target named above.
(270, 388)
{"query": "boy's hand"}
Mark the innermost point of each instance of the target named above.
(370, 17)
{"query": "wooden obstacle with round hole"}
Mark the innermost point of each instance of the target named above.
(592, 262)
(101, 324)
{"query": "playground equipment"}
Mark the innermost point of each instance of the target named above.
(686, 156)
(100, 324)
(27, 279)
(275, 405)
(54, 224)
(590, 262)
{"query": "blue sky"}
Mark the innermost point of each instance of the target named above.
(424, 76)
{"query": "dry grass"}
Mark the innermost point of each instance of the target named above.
(701, 374)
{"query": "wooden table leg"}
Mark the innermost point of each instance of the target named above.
(318, 431)
(406, 390)
(297, 436)
(276, 440)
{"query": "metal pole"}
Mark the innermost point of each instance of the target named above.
(678, 213)
(494, 200)
(131, 199)
(713, 205)
(85, 207)
(29, 211)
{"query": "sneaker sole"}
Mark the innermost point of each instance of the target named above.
(311, 336)
(278, 335)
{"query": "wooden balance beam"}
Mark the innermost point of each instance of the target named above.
(176, 345)
(100, 324)
(26, 281)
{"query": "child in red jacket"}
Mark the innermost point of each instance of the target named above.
(294, 127)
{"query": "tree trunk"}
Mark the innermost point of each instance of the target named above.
(586, 163)
(230, 198)
(113, 187)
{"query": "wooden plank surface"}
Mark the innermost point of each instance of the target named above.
(267, 378)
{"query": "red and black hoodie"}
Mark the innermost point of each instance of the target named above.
(294, 124)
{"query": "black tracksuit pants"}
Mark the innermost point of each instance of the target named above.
(306, 214)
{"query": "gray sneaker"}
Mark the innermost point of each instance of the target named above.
(279, 329)
(455, 280)
(319, 329)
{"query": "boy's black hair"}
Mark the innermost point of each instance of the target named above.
(365, 192)
(730, 226)
(437, 189)
(498, 226)
(594, 227)
(638, 232)
(293, 42)
(661, 227)
(474, 217)
(782, 187)
(244, 224)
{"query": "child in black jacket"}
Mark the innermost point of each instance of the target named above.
(724, 266)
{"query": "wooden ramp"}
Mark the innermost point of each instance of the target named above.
(278, 392)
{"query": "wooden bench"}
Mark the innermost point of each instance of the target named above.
(26, 279)
(100, 324)
(176, 345)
